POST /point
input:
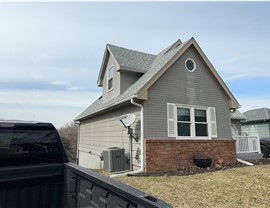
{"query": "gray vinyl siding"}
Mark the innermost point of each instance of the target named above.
(177, 85)
(127, 79)
(257, 129)
(102, 132)
(238, 125)
(108, 95)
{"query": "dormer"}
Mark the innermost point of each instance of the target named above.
(120, 68)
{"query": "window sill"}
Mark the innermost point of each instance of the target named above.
(109, 90)
(194, 138)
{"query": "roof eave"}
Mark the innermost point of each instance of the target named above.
(107, 108)
(257, 121)
(105, 59)
(130, 69)
(101, 71)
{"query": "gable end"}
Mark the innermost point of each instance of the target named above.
(104, 63)
(233, 104)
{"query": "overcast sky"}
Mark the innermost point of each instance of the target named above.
(50, 53)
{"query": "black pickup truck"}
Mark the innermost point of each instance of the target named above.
(35, 173)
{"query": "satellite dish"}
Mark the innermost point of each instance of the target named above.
(126, 120)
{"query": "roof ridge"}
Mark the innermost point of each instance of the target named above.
(158, 62)
(267, 112)
(258, 114)
(169, 48)
(257, 109)
(130, 49)
(238, 115)
(156, 66)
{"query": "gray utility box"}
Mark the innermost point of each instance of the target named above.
(114, 159)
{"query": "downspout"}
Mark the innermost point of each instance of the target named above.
(78, 140)
(244, 162)
(142, 144)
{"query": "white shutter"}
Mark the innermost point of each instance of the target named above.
(213, 122)
(171, 115)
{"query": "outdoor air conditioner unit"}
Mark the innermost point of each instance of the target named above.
(114, 159)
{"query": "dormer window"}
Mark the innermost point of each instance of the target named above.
(110, 78)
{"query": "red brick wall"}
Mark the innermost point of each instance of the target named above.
(168, 154)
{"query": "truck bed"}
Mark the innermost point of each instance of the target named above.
(35, 173)
(35, 186)
(69, 186)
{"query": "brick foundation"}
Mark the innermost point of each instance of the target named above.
(168, 154)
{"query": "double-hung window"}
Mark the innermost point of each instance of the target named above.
(191, 121)
(110, 78)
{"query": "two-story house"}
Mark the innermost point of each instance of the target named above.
(182, 109)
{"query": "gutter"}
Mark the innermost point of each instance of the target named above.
(142, 144)
(104, 108)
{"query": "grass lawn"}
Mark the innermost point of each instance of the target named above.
(232, 188)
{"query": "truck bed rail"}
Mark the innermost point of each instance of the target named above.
(89, 189)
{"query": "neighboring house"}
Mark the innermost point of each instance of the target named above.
(247, 147)
(182, 109)
(237, 119)
(258, 122)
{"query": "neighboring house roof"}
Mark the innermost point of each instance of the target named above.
(160, 63)
(237, 115)
(260, 114)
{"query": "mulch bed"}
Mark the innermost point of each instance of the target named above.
(196, 170)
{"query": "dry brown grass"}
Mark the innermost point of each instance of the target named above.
(232, 188)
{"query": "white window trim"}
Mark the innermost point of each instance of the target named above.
(195, 66)
(192, 122)
(193, 107)
(108, 90)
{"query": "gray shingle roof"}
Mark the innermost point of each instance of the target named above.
(131, 60)
(258, 114)
(157, 63)
(152, 66)
(237, 115)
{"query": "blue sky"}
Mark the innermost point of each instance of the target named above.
(50, 53)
